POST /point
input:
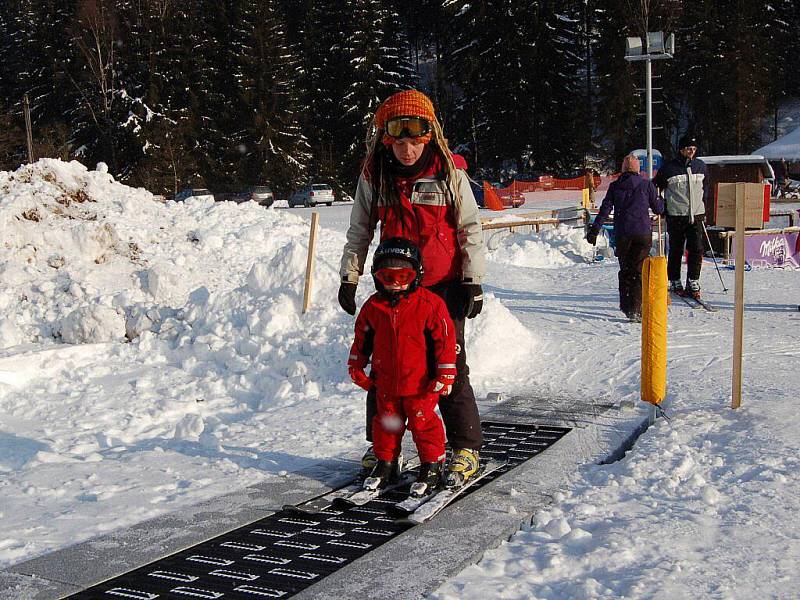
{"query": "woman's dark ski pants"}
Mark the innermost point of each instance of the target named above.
(631, 252)
(459, 410)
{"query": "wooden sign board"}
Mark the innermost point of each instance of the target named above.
(754, 204)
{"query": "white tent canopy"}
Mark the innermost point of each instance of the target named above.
(787, 147)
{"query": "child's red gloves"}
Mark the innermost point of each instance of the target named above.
(443, 384)
(361, 379)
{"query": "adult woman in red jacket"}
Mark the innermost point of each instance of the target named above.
(416, 189)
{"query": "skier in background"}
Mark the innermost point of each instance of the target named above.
(631, 197)
(417, 189)
(409, 335)
(682, 181)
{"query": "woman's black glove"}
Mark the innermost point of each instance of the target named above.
(591, 235)
(699, 219)
(347, 297)
(473, 299)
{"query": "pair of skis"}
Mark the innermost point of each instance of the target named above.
(419, 510)
(696, 303)
(411, 510)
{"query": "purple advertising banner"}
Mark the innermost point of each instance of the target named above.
(773, 250)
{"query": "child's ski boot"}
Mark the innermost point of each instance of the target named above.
(428, 480)
(463, 465)
(384, 473)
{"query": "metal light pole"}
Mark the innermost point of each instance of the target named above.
(654, 326)
(648, 49)
(648, 70)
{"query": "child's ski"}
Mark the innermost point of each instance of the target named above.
(341, 496)
(419, 510)
(410, 504)
(361, 496)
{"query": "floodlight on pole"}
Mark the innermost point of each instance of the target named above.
(633, 46)
(649, 48)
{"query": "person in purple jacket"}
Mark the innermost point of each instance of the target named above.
(631, 197)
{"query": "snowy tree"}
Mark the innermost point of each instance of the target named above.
(377, 68)
(519, 67)
(323, 82)
(36, 53)
(269, 141)
(726, 72)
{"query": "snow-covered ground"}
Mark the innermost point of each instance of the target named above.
(153, 356)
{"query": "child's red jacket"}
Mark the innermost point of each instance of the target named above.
(411, 343)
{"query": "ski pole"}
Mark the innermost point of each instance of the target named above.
(714, 258)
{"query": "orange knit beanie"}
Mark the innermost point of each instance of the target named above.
(408, 103)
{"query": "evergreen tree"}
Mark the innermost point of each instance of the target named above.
(269, 141)
(323, 82)
(36, 54)
(520, 68)
(727, 73)
(377, 68)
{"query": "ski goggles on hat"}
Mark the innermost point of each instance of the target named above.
(409, 127)
(395, 276)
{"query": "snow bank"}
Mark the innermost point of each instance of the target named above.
(501, 351)
(547, 249)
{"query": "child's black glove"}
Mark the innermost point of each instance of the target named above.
(347, 297)
(591, 235)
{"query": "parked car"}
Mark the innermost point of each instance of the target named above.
(257, 193)
(511, 199)
(311, 195)
(187, 193)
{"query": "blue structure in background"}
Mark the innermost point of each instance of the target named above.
(641, 154)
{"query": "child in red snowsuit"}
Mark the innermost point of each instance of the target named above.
(410, 336)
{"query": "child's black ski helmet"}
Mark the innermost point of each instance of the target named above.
(397, 248)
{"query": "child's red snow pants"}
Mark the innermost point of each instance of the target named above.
(395, 413)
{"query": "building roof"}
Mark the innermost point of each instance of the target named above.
(787, 147)
(740, 159)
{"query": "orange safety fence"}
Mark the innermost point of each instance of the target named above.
(548, 183)
(511, 196)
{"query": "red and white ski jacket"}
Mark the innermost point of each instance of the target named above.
(410, 343)
(448, 233)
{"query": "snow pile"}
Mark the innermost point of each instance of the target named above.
(547, 249)
(603, 538)
(79, 245)
(489, 363)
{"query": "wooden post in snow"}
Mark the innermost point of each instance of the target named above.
(26, 106)
(312, 242)
(738, 311)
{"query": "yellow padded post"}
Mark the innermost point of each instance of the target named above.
(654, 329)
